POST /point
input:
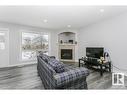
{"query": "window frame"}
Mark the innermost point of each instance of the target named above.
(34, 32)
(4, 42)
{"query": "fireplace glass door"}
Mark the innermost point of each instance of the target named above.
(66, 54)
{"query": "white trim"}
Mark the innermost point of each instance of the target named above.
(7, 44)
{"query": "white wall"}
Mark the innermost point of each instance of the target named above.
(15, 39)
(111, 34)
(66, 37)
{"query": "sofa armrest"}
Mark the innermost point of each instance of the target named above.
(70, 76)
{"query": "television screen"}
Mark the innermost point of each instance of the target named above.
(95, 52)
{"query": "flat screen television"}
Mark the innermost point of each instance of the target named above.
(95, 52)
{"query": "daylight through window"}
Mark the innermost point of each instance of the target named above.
(2, 41)
(32, 43)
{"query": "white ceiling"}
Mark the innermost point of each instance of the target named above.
(58, 16)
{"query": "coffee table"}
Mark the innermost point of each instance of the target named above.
(101, 67)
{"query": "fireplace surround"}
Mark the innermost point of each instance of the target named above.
(67, 52)
(67, 43)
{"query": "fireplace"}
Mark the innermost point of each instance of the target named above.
(66, 54)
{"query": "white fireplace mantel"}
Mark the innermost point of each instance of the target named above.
(67, 44)
(67, 40)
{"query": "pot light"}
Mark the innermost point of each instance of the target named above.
(102, 10)
(68, 26)
(45, 20)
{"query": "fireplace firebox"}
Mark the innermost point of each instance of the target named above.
(66, 54)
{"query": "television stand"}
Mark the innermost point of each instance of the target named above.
(101, 67)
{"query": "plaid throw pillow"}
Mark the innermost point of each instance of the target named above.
(57, 65)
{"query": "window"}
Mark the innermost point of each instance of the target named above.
(33, 43)
(2, 41)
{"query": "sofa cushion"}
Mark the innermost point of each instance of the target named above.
(45, 57)
(71, 75)
(57, 65)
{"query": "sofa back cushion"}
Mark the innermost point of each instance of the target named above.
(45, 57)
(57, 65)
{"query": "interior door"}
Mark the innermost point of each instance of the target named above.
(4, 47)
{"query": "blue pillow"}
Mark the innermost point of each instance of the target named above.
(57, 65)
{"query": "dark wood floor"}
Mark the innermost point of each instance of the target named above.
(26, 77)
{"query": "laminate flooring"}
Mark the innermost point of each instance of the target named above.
(26, 77)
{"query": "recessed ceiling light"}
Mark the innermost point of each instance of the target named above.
(102, 10)
(68, 26)
(45, 20)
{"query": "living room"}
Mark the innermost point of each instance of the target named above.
(74, 27)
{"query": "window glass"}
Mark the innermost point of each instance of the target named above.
(32, 43)
(2, 41)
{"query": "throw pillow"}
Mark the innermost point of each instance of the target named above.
(57, 65)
